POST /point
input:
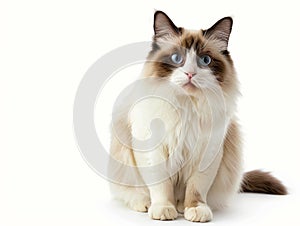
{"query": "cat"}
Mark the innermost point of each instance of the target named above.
(197, 61)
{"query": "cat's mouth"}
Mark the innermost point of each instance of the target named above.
(189, 86)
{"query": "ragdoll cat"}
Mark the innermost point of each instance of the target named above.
(199, 63)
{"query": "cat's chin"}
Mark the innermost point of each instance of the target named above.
(190, 88)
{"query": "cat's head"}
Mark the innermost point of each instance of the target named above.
(192, 59)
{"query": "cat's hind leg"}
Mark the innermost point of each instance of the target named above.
(122, 171)
(137, 199)
(229, 176)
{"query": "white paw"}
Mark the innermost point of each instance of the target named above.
(201, 213)
(159, 211)
(140, 203)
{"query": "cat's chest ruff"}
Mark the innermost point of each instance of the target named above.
(184, 125)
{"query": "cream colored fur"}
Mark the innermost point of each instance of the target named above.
(201, 140)
(216, 185)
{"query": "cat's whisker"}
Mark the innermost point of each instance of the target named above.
(208, 85)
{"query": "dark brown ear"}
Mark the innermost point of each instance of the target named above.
(164, 28)
(220, 31)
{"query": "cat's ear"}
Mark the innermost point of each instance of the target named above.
(164, 28)
(220, 32)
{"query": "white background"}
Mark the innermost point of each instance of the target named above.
(47, 46)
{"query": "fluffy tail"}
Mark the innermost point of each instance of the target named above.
(262, 182)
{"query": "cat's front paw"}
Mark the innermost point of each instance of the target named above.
(162, 211)
(201, 213)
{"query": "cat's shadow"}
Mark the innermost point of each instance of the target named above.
(244, 209)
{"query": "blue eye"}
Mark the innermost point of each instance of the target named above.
(176, 58)
(204, 60)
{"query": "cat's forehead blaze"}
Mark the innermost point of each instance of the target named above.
(191, 40)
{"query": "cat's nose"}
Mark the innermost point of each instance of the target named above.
(190, 75)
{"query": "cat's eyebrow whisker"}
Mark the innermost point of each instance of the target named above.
(207, 41)
(205, 44)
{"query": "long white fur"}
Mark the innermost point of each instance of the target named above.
(189, 128)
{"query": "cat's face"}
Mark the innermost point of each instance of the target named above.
(193, 60)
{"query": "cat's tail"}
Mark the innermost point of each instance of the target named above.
(258, 181)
